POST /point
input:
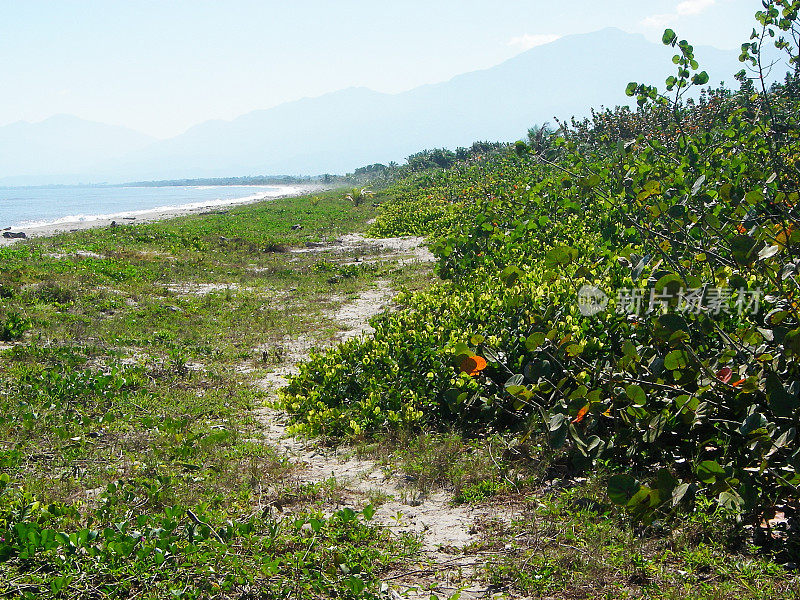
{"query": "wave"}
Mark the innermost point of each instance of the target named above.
(211, 187)
(273, 192)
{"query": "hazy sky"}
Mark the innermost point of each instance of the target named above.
(162, 66)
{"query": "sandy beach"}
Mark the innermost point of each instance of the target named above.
(145, 216)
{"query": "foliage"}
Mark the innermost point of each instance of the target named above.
(358, 196)
(13, 327)
(575, 545)
(681, 199)
(130, 461)
(183, 552)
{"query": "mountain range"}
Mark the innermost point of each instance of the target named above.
(342, 130)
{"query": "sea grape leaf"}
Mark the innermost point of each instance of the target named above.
(677, 359)
(621, 488)
(709, 470)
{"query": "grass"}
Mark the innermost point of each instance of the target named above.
(570, 544)
(558, 537)
(429, 460)
(131, 463)
(126, 399)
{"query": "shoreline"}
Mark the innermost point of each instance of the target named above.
(146, 215)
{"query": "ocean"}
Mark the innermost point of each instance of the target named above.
(40, 206)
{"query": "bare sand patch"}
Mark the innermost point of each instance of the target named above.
(446, 565)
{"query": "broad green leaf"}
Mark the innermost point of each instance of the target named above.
(754, 196)
(636, 394)
(677, 359)
(782, 403)
(709, 470)
(560, 256)
(621, 488)
(558, 428)
(679, 493)
(698, 184)
(665, 482)
(510, 274)
(792, 342)
(731, 500)
(591, 181)
(461, 349)
(768, 252)
(670, 284)
(535, 340)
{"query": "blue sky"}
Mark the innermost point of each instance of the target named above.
(162, 66)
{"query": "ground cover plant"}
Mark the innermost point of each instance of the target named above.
(131, 464)
(623, 287)
(610, 351)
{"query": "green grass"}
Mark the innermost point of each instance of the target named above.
(126, 408)
(132, 465)
(573, 544)
(558, 536)
(474, 469)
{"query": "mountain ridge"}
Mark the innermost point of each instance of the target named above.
(344, 129)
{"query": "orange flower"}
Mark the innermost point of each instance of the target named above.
(473, 365)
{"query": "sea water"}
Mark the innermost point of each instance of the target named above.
(40, 206)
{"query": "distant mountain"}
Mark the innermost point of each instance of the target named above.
(62, 145)
(340, 131)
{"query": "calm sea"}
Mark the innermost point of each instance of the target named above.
(31, 207)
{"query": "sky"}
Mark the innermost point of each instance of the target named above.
(161, 66)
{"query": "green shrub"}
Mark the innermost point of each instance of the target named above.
(683, 200)
(13, 327)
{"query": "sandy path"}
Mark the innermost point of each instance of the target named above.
(445, 529)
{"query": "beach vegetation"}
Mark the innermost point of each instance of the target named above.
(607, 356)
(679, 218)
(131, 462)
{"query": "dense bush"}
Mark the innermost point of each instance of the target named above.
(683, 210)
